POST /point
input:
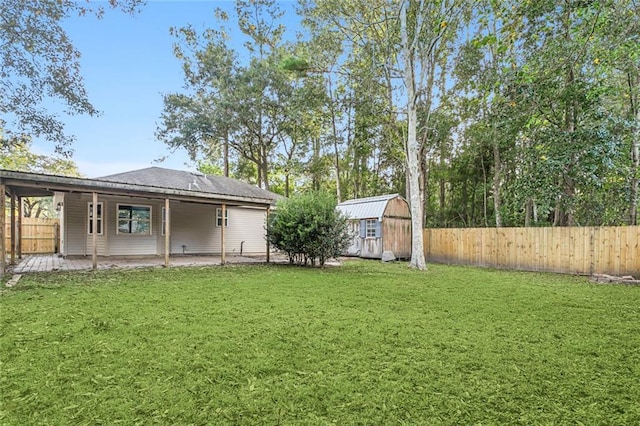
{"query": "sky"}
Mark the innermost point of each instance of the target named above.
(128, 64)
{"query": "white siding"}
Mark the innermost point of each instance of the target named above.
(131, 244)
(192, 226)
(355, 247)
(77, 241)
(248, 225)
(363, 247)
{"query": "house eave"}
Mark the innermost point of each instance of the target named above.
(39, 184)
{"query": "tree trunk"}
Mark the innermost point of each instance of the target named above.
(497, 167)
(225, 153)
(528, 212)
(336, 151)
(412, 147)
(635, 147)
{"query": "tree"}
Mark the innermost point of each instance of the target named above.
(18, 156)
(309, 228)
(424, 30)
(39, 63)
(243, 106)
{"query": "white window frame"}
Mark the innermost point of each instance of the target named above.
(99, 218)
(371, 228)
(130, 220)
(219, 217)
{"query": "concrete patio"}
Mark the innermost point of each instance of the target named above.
(49, 263)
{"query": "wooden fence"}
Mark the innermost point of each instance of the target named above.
(574, 250)
(39, 236)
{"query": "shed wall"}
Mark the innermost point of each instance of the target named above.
(396, 228)
(396, 235)
(397, 207)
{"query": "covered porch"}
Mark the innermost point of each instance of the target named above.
(198, 191)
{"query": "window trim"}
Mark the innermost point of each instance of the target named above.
(219, 217)
(371, 228)
(99, 218)
(131, 206)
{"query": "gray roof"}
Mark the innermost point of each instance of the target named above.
(153, 182)
(190, 181)
(366, 208)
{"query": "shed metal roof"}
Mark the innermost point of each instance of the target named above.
(366, 208)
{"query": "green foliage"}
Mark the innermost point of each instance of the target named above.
(18, 156)
(308, 228)
(365, 343)
(39, 63)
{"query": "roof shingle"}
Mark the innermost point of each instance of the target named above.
(190, 181)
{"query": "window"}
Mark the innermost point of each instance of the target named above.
(219, 217)
(369, 228)
(99, 210)
(134, 219)
(372, 227)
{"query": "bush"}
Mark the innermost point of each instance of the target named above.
(308, 228)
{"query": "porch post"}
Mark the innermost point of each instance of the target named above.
(94, 236)
(3, 252)
(267, 235)
(13, 228)
(167, 232)
(19, 228)
(222, 246)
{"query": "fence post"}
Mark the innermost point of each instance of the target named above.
(592, 250)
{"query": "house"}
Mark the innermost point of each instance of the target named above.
(379, 224)
(148, 212)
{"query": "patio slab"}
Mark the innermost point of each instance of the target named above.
(49, 263)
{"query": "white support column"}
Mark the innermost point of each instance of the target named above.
(94, 228)
(167, 232)
(267, 235)
(3, 249)
(222, 230)
(13, 228)
(19, 228)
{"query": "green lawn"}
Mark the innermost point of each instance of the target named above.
(365, 343)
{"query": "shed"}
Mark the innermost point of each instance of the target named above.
(379, 224)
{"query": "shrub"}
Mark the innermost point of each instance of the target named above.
(308, 228)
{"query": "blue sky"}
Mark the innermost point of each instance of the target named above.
(127, 64)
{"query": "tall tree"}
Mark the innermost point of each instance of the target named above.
(240, 105)
(38, 63)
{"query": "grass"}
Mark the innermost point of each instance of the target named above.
(366, 343)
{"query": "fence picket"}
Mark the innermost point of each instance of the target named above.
(39, 236)
(577, 250)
